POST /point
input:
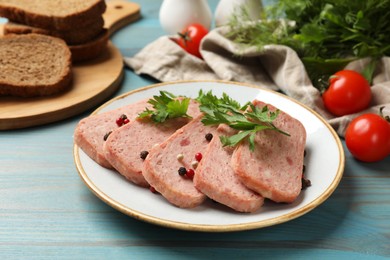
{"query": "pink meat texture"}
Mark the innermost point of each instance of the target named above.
(90, 131)
(236, 177)
(216, 178)
(162, 164)
(274, 169)
(123, 147)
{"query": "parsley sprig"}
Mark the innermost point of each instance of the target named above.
(166, 106)
(227, 111)
(326, 34)
(248, 119)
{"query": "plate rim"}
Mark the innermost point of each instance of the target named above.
(205, 227)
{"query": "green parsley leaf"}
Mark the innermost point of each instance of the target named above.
(209, 102)
(227, 111)
(166, 106)
(326, 34)
(234, 139)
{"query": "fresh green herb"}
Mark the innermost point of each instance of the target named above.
(227, 111)
(209, 102)
(166, 106)
(326, 34)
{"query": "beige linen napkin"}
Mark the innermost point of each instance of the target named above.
(275, 67)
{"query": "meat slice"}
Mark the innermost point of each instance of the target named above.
(162, 164)
(123, 147)
(90, 131)
(216, 178)
(274, 168)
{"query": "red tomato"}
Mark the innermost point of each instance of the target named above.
(368, 137)
(349, 92)
(191, 37)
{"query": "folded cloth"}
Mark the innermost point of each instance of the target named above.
(275, 67)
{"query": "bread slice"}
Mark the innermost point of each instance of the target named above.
(78, 35)
(274, 168)
(59, 15)
(91, 49)
(215, 177)
(34, 65)
(80, 52)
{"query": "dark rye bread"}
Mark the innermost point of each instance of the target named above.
(90, 131)
(91, 49)
(162, 164)
(274, 168)
(123, 147)
(215, 177)
(78, 35)
(34, 65)
(61, 15)
(80, 52)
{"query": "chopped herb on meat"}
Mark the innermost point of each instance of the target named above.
(166, 106)
(228, 111)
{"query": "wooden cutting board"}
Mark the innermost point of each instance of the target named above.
(93, 81)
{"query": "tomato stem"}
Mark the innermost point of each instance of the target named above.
(185, 37)
(325, 81)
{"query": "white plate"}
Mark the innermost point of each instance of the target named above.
(324, 167)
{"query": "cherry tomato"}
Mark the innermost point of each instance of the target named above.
(191, 37)
(349, 92)
(368, 137)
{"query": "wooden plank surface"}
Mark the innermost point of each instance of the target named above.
(46, 212)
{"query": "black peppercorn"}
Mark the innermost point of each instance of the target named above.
(305, 183)
(106, 135)
(182, 171)
(209, 136)
(143, 154)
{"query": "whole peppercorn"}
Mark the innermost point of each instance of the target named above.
(190, 173)
(143, 155)
(106, 135)
(194, 164)
(122, 120)
(198, 157)
(305, 183)
(119, 122)
(182, 171)
(209, 136)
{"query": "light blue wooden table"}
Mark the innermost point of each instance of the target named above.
(46, 211)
